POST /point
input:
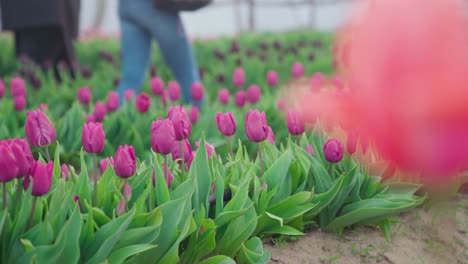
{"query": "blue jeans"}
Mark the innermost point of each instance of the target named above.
(140, 22)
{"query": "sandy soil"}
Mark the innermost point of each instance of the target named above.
(431, 234)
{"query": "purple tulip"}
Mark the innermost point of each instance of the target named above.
(157, 86)
(2, 88)
(253, 94)
(41, 174)
(333, 150)
(181, 122)
(84, 95)
(8, 164)
(143, 102)
(272, 78)
(165, 171)
(271, 135)
(235, 47)
(310, 149)
(210, 150)
(173, 90)
(64, 172)
(226, 123)
(93, 137)
(128, 94)
(19, 103)
(162, 136)
(104, 163)
(296, 125)
(23, 156)
(100, 111)
(223, 96)
(39, 130)
(238, 77)
(256, 126)
(194, 114)
(112, 103)
(177, 152)
(240, 98)
(125, 161)
(86, 72)
(297, 70)
(197, 91)
(17, 87)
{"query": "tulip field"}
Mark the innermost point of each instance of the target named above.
(88, 177)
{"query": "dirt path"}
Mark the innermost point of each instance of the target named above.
(422, 236)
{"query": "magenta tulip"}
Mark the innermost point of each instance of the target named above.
(297, 70)
(296, 126)
(127, 191)
(168, 172)
(223, 96)
(197, 91)
(93, 137)
(84, 95)
(128, 94)
(17, 87)
(23, 156)
(272, 78)
(238, 77)
(39, 130)
(125, 161)
(281, 104)
(240, 98)
(310, 149)
(112, 103)
(41, 174)
(333, 150)
(8, 164)
(194, 114)
(253, 94)
(162, 136)
(210, 150)
(181, 122)
(104, 163)
(177, 152)
(173, 90)
(2, 88)
(90, 118)
(19, 103)
(271, 135)
(189, 162)
(256, 126)
(157, 86)
(64, 172)
(142, 102)
(100, 111)
(226, 123)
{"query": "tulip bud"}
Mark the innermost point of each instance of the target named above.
(17, 87)
(125, 161)
(8, 164)
(23, 156)
(39, 130)
(310, 149)
(64, 171)
(297, 70)
(105, 162)
(157, 86)
(226, 123)
(180, 121)
(173, 90)
(272, 78)
(112, 103)
(41, 174)
(238, 77)
(296, 125)
(333, 150)
(223, 96)
(256, 126)
(194, 114)
(162, 136)
(127, 191)
(177, 152)
(121, 207)
(93, 137)
(128, 94)
(197, 91)
(19, 103)
(351, 143)
(240, 98)
(43, 107)
(100, 111)
(169, 174)
(143, 102)
(210, 150)
(281, 104)
(271, 135)
(84, 95)
(2, 88)
(253, 94)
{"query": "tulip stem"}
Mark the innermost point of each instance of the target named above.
(261, 159)
(230, 146)
(4, 196)
(183, 158)
(33, 209)
(95, 180)
(19, 189)
(330, 170)
(165, 170)
(47, 153)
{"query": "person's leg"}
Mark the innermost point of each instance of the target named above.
(136, 50)
(168, 30)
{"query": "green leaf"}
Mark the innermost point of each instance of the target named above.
(218, 260)
(283, 230)
(120, 255)
(277, 175)
(200, 243)
(162, 192)
(252, 252)
(3, 216)
(200, 170)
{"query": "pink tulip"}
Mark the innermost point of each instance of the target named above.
(125, 161)
(180, 121)
(19, 103)
(317, 81)
(238, 77)
(90, 118)
(281, 104)
(105, 162)
(256, 126)
(157, 86)
(43, 107)
(337, 82)
(253, 94)
(223, 96)
(197, 91)
(173, 90)
(226, 123)
(17, 87)
(127, 191)
(333, 150)
(296, 125)
(194, 114)
(271, 135)
(2, 88)
(112, 103)
(121, 207)
(177, 152)
(41, 174)
(64, 172)
(128, 94)
(297, 70)
(351, 143)
(240, 98)
(310, 149)
(39, 130)
(162, 136)
(93, 137)
(84, 95)
(8, 164)
(23, 156)
(272, 78)
(142, 102)
(100, 111)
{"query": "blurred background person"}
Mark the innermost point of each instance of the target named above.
(43, 30)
